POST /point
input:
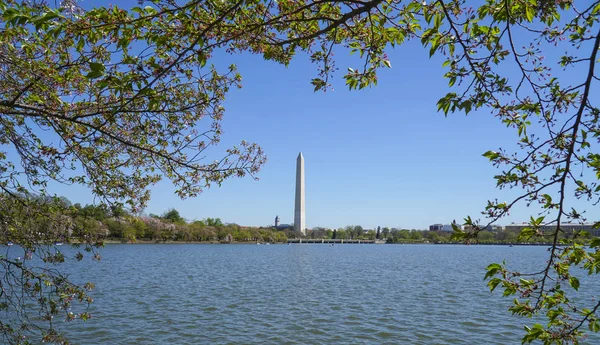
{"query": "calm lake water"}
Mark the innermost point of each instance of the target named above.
(300, 294)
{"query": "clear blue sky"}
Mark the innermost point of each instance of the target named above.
(380, 156)
(377, 157)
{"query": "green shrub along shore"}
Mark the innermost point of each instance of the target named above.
(114, 224)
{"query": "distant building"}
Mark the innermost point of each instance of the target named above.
(285, 227)
(436, 227)
(568, 228)
(491, 228)
(441, 227)
(448, 227)
(276, 221)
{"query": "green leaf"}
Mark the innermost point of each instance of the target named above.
(93, 75)
(96, 66)
(574, 282)
(492, 269)
(150, 10)
(594, 326)
(437, 20)
(526, 233)
(530, 13)
(491, 155)
(525, 282)
(39, 22)
(493, 283)
(319, 83)
(96, 70)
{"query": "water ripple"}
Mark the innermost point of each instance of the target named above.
(299, 294)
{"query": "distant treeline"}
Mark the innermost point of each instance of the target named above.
(116, 223)
(427, 236)
(419, 236)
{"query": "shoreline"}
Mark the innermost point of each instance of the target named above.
(284, 243)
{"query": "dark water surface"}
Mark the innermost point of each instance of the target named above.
(300, 294)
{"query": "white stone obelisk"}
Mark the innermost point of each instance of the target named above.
(299, 214)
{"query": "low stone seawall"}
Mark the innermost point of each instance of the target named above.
(334, 241)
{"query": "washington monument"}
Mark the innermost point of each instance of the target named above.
(299, 213)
